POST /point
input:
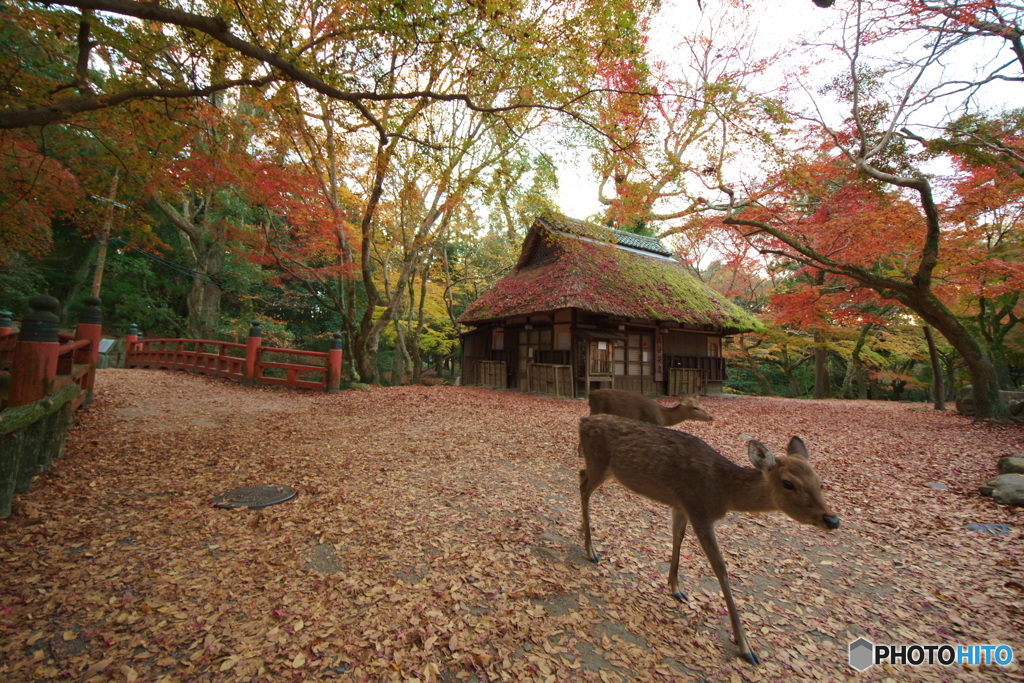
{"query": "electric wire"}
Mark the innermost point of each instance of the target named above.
(167, 263)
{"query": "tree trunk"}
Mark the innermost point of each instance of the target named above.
(822, 379)
(764, 386)
(984, 379)
(402, 364)
(80, 278)
(846, 388)
(205, 295)
(368, 336)
(996, 319)
(206, 246)
(950, 365)
(1002, 367)
(855, 369)
(789, 370)
(414, 340)
(938, 391)
(365, 357)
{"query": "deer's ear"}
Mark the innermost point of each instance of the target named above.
(797, 448)
(760, 456)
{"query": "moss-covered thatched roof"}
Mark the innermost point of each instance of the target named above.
(604, 271)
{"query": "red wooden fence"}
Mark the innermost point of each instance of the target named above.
(38, 361)
(46, 376)
(249, 363)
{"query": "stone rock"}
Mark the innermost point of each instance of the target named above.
(1006, 489)
(1012, 464)
(1013, 399)
(965, 402)
(1017, 411)
(990, 529)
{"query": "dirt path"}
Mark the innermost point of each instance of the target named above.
(436, 536)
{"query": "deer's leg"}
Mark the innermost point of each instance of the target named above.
(589, 481)
(678, 531)
(708, 541)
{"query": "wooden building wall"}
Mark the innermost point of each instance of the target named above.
(531, 349)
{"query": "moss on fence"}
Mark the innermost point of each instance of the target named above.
(31, 436)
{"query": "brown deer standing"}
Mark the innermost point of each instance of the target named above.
(700, 485)
(637, 407)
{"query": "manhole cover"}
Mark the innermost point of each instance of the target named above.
(254, 496)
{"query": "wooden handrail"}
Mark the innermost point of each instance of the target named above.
(175, 354)
(66, 349)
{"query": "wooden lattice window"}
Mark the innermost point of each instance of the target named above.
(636, 357)
(601, 358)
(530, 342)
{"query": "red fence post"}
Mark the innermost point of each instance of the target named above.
(5, 322)
(90, 326)
(252, 352)
(34, 366)
(131, 342)
(334, 364)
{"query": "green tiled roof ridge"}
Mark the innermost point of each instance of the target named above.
(602, 233)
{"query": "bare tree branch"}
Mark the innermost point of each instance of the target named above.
(66, 108)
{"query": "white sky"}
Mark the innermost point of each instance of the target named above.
(776, 21)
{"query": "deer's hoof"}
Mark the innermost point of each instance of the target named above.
(750, 658)
(680, 596)
(594, 557)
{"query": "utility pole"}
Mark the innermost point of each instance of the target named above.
(104, 237)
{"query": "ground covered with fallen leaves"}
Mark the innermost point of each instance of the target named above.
(436, 537)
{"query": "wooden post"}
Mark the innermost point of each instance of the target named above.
(104, 238)
(334, 364)
(34, 367)
(252, 352)
(90, 326)
(5, 323)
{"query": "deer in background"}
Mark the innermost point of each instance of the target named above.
(701, 486)
(637, 407)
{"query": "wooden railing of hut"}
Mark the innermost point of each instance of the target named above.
(691, 374)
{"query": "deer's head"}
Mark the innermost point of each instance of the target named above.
(795, 486)
(694, 409)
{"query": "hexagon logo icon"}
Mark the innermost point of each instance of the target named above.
(862, 654)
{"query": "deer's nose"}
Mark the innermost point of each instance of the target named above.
(830, 522)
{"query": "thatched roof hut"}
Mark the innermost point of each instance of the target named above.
(581, 293)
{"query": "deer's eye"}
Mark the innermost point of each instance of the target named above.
(788, 485)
